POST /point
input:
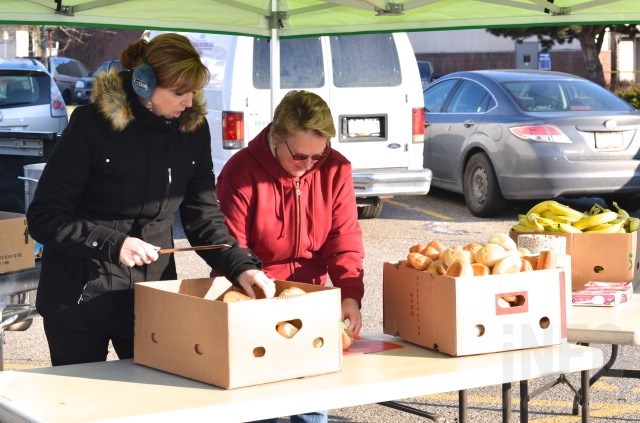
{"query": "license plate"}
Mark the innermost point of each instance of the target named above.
(363, 127)
(608, 140)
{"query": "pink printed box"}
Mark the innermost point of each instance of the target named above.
(625, 288)
(595, 297)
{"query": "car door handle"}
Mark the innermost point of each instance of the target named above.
(468, 123)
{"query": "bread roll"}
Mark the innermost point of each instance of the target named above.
(417, 248)
(490, 254)
(460, 269)
(419, 261)
(233, 296)
(292, 291)
(286, 329)
(480, 269)
(509, 264)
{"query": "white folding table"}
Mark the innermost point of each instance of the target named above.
(615, 326)
(121, 391)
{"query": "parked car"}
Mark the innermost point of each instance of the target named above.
(30, 101)
(66, 72)
(498, 135)
(425, 68)
(84, 85)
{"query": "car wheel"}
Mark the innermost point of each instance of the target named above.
(480, 187)
(370, 211)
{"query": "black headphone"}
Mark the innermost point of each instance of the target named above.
(144, 79)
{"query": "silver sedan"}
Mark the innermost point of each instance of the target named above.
(499, 135)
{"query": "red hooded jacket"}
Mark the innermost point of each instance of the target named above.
(301, 230)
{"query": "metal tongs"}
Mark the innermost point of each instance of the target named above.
(198, 248)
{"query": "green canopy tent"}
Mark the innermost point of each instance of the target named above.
(292, 18)
(296, 18)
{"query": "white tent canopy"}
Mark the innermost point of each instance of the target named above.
(291, 18)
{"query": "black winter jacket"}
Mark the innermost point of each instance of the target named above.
(120, 170)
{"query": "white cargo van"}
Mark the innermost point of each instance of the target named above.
(371, 83)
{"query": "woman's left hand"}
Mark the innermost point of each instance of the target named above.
(351, 313)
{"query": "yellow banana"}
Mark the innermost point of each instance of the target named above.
(521, 228)
(594, 220)
(606, 229)
(524, 221)
(621, 212)
(566, 227)
(539, 208)
(563, 210)
(634, 223)
(560, 218)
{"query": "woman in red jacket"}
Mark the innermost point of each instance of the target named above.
(289, 197)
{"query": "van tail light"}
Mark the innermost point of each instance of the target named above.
(417, 124)
(232, 130)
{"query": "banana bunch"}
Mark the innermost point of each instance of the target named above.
(552, 216)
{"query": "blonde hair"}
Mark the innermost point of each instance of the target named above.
(174, 60)
(301, 111)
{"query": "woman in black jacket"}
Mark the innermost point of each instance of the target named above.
(106, 200)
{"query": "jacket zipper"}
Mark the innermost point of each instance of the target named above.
(298, 230)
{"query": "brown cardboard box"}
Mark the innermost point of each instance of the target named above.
(183, 327)
(16, 246)
(462, 316)
(601, 257)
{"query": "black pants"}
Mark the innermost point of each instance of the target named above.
(70, 346)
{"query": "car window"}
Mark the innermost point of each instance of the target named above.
(294, 72)
(24, 89)
(368, 60)
(564, 95)
(470, 97)
(71, 68)
(436, 94)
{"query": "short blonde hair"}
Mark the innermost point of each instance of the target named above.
(301, 111)
(174, 60)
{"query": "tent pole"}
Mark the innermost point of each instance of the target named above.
(275, 56)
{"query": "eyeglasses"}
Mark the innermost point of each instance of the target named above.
(302, 157)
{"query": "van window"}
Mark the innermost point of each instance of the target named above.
(294, 72)
(70, 67)
(368, 60)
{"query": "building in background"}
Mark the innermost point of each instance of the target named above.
(472, 49)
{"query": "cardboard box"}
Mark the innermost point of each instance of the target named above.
(601, 257)
(599, 298)
(182, 327)
(625, 288)
(462, 316)
(16, 246)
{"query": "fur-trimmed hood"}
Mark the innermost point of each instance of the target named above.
(112, 95)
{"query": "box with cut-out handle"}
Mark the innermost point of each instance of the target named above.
(478, 314)
(184, 327)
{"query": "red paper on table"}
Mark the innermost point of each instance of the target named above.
(365, 346)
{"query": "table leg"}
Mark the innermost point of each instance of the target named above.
(524, 401)
(463, 405)
(584, 398)
(506, 402)
(412, 410)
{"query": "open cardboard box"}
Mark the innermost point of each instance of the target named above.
(183, 327)
(16, 246)
(462, 316)
(600, 257)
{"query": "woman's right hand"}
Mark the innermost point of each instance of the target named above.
(136, 252)
(254, 277)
